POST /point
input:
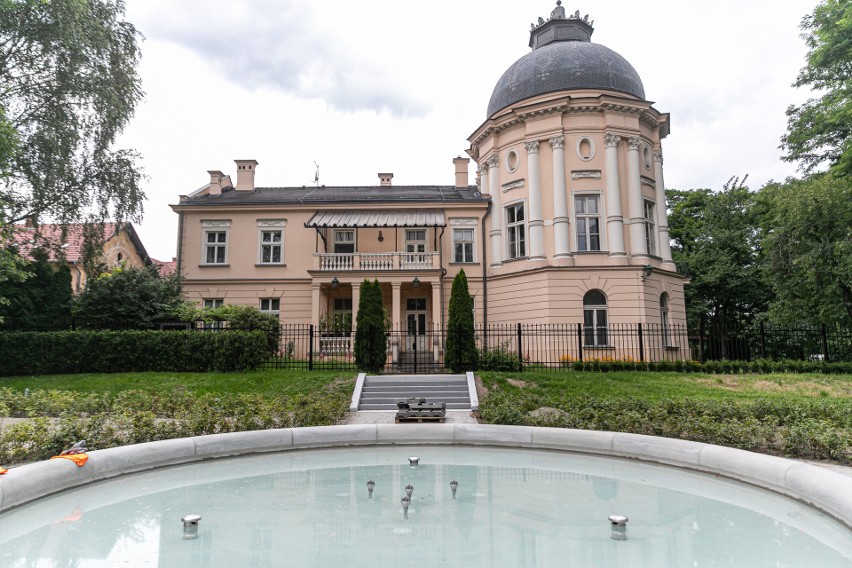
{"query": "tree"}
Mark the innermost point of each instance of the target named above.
(244, 318)
(370, 342)
(807, 245)
(461, 354)
(818, 131)
(44, 303)
(717, 244)
(129, 298)
(68, 87)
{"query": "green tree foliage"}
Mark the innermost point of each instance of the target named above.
(69, 86)
(808, 249)
(819, 130)
(43, 301)
(129, 298)
(461, 354)
(370, 341)
(717, 244)
(247, 318)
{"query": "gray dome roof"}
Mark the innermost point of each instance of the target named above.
(565, 65)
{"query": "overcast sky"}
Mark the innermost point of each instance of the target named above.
(363, 87)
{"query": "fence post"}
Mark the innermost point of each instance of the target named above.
(641, 343)
(520, 350)
(580, 342)
(701, 340)
(824, 343)
(311, 347)
(762, 341)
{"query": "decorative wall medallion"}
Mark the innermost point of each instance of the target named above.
(646, 157)
(223, 223)
(513, 184)
(586, 174)
(512, 161)
(271, 222)
(463, 221)
(585, 148)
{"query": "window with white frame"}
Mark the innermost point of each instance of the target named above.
(664, 320)
(587, 214)
(270, 306)
(344, 241)
(463, 245)
(210, 303)
(270, 242)
(516, 231)
(215, 239)
(650, 229)
(595, 319)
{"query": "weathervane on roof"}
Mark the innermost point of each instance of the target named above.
(316, 175)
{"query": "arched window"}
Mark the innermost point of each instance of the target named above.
(595, 319)
(664, 319)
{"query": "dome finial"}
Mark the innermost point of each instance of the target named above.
(558, 13)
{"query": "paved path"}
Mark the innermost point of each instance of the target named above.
(373, 417)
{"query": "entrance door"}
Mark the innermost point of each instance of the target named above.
(416, 325)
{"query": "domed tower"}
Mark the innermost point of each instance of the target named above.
(570, 154)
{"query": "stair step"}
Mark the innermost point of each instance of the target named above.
(393, 407)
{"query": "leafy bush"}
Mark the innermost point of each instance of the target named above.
(370, 339)
(461, 354)
(499, 358)
(247, 318)
(35, 353)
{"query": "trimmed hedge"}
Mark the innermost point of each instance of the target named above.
(67, 352)
(722, 367)
(818, 429)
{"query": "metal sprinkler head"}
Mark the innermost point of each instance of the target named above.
(413, 461)
(370, 486)
(409, 489)
(454, 485)
(619, 527)
(190, 526)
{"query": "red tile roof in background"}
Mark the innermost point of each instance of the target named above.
(51, 236)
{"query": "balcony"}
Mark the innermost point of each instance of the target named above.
(375, 262)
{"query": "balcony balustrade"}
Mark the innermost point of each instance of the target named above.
(375, 262)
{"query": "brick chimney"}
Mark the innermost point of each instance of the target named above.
(215, 182)
(461, 172)
(385, 179)
(245, 174)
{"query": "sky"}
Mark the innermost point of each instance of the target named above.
(388, 86)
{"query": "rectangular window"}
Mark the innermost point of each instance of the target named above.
(344, 242)
(270, 305)
(215, 247)
(210, 303)
(415, 240)
(463, 245)
(588, 218)
(650, 229)
(270, 246)
(595, 326)
(516, 231)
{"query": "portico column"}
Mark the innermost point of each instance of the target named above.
(634, 199)
(436, 320)
(396, 309)
(536, 218)
(662, 217)
(497, 213)
(315, 306)
(614, 218)
(561, 228)
(356, 299)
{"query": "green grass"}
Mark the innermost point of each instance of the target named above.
(659, 386)
(278, 382)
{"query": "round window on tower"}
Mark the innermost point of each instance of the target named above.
(512, 161)
(585, 148)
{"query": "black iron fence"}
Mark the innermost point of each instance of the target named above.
(559, 346)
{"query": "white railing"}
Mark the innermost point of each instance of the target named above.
(376, 262)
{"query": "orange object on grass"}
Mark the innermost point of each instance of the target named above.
(3, 470)
(79, 459)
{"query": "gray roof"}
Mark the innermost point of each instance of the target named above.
(562, 66)
(331, 195)
(378, 218)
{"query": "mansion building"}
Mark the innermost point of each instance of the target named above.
(565, 222)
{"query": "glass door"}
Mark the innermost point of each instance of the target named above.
(416, 324)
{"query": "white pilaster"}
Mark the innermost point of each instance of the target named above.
(662, 216)
(536, 217)
(634, 199)
(561, 228)
(436, 321)
(496, 210)
(315, 306)
(396, 322)
(356, 299)
(614, 218)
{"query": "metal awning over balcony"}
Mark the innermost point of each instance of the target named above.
(377, 218)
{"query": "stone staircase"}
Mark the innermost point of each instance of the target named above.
(383, 392)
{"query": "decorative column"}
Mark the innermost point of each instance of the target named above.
(662, 218)
(536, 218)
(634, 199)
(315, 306)
(436, 319)
(614, 219)
(356, 299)
(497, 213)
(561, 228)
(396, 309)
